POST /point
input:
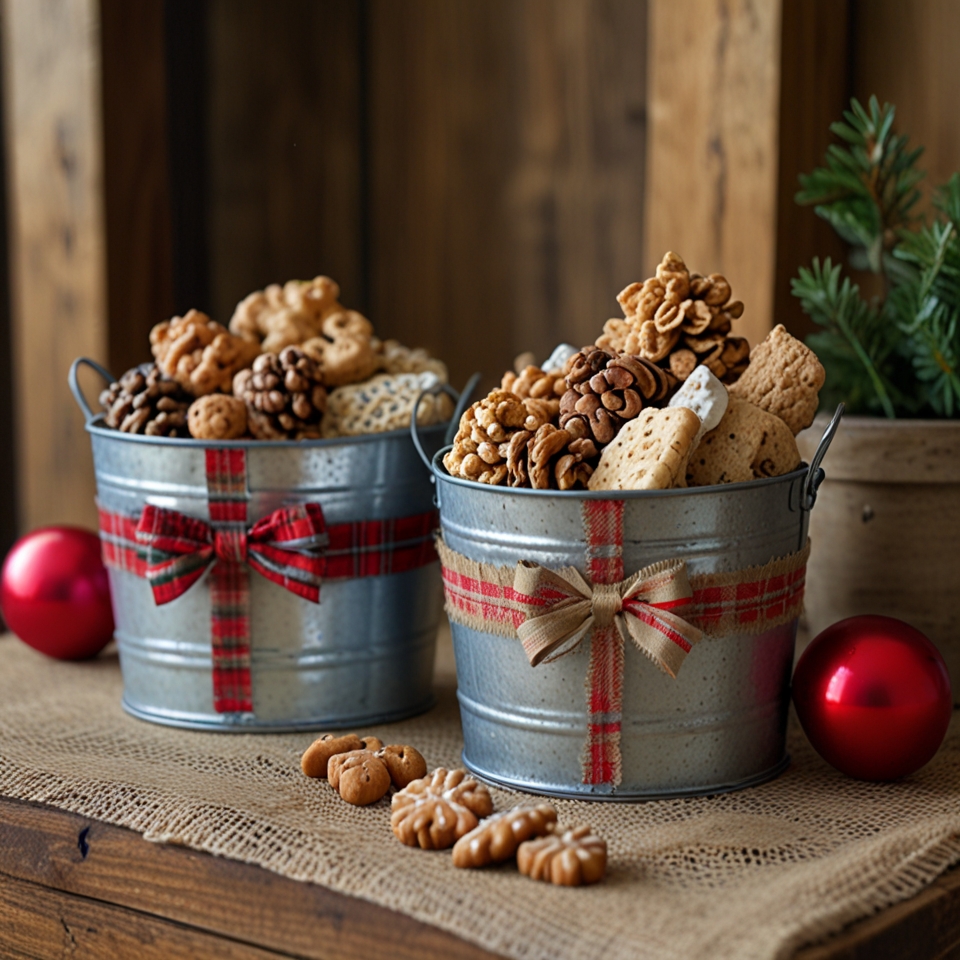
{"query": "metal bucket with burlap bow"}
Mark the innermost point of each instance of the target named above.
(562, 604)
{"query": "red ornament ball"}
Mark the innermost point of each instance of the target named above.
(55, 595)
(873, 696)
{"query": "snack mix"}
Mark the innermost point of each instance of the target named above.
(665, 397)
(293, 364)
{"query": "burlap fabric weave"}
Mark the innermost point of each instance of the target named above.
(753, 874)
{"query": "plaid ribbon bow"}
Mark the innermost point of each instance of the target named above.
(283, 547)
(292, 547)
(561, 609)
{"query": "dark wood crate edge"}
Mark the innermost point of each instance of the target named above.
(74, 854)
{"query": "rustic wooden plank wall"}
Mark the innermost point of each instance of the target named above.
(285, 146)
(815, 85)
(906, 53)
(481, 176)
(53, 132)
(136, 176)
(507, 145)
(714, 125)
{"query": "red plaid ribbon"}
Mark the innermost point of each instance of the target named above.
(505, 601)
(292, 547)
(603, 529)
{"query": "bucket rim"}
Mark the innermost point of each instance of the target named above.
(440, 473)
(95, 428)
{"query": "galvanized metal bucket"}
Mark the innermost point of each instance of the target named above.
(720, 725)
(363, 655)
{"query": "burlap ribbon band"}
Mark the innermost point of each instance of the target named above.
(661, 609)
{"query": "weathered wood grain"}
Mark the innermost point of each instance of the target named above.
(76, 856)
(136, 180)
(926, 927)
(714, 115)
(815, 78)
(67, 883)
(506, 147)
(37, 923)
(891, 500)
(52, 92)
(285, 147)
(906, 54)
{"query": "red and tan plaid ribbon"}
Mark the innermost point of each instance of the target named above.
(291, 546)
(603, 532)
(659, 609)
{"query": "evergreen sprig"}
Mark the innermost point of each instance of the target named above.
(855, 346)
(869, 188)
(899, 356)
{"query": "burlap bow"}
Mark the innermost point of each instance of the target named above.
(561, 608)
(283, 547)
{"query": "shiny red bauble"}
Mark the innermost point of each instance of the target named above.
(54, 593)
(873, 696)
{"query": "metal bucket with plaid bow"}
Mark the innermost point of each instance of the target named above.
(292, 547)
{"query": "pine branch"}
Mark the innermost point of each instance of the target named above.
(868, 188)
(855, 344)
(927, 305)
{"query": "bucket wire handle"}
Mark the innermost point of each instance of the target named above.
(432, 391)
(815, 474)
(74, 383)
(465, 396)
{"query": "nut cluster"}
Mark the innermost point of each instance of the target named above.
(679, 320)
(199, 353)
(535, 383)
(144, 401)
(284, 394)
(550, 456)
(283, 316)
(211, 383)
(605, 390)
(435, 811)
(482, 443)
(569, 859)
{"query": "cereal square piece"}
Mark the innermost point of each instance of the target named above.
(747, 444)
(784, 378)
(649, 452)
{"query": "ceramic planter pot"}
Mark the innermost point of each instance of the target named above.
(887, 527)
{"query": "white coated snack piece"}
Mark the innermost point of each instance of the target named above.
(561, 354)
(706, 396)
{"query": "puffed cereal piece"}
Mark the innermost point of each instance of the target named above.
(317, 756)
(217, 416)
(199, 353)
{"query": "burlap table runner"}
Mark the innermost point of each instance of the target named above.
(753, 874)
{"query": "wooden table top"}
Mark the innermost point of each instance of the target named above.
(74, 887)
